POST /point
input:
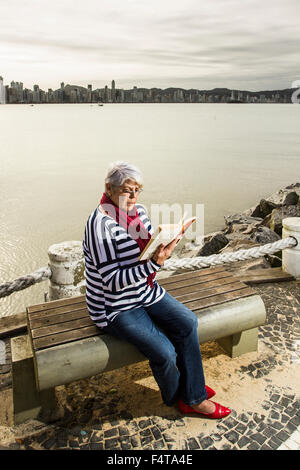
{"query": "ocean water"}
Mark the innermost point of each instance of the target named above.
(53, 159)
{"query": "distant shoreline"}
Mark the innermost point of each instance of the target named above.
(145, 102)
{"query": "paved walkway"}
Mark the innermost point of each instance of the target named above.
(123, 409)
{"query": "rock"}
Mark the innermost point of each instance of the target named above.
(233, 221)
(264, 208)
(264, 235)
(294, 185)
(189, 248)
(275, 260)
(213, 243)
(286, 196)
(238, 228)
(280, 196)
(238, 244)
(248, 212)
(274, 220)
(251, 228)
(291, 199)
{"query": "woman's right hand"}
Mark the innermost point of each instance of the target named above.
(164, 252)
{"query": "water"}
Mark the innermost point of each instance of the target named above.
(54, 158)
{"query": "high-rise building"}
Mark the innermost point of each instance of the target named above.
(2, 91)
(113, 91)
(106, 94)
(19, 90)
(89, 94)
(36, 94)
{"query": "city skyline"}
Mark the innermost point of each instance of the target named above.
(17, 94)
(204, 45)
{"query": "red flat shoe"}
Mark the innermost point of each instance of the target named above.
(210, 392)
(220, 411)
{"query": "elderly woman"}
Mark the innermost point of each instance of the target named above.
(125, 300)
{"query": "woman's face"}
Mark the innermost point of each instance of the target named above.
(124, 196)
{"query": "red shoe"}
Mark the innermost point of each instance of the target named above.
(220, 411)
(210, 392)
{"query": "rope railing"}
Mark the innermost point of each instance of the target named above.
(23, 282)
(230, 257)
(197, 262)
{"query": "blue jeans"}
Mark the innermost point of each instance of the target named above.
(166, 333)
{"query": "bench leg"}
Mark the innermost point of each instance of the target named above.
(240, 343)
(28, 402)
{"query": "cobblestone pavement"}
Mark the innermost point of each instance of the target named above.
(110, 424)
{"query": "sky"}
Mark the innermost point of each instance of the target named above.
(238, 44)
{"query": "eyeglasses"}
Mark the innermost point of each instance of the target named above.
(128, 191)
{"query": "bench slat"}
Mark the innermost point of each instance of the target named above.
(200, 286)
(66, 337)
(55, 303)
(195, 280)
(62, 310)
(60, 327)
(192, 274)
(55, 319)
(210, 292)
(219, 299)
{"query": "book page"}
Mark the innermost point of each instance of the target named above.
(165, 234)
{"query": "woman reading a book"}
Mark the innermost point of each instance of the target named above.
(126, 301)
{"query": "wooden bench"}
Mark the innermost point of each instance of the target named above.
(64, 345)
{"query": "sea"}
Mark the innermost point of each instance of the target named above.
(54, 158)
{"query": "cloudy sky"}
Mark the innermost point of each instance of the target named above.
(241, 44)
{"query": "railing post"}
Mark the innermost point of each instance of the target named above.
(66, 261)
(291, 256)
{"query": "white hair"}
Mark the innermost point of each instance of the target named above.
(119, 172)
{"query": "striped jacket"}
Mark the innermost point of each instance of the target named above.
(115, 278)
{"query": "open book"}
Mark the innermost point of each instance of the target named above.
(166, 233)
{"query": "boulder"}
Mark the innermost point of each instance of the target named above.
(264, 208)
(291, 199)
(213, 243)
(274, 220)
(264, 235)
